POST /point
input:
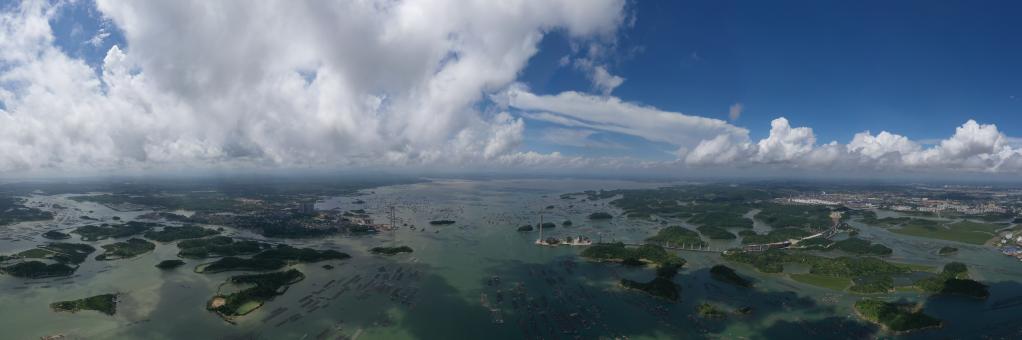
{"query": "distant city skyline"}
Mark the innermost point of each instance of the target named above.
(864, 89)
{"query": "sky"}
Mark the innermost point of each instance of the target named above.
(819, 88)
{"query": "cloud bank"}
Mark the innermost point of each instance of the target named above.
(706, 142)
(232, 84)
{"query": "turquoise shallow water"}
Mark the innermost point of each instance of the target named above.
(464, 278)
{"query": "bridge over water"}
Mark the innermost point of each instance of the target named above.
(827, 234)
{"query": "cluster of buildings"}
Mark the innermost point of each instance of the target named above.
(854, 201)
(901, 202)
(1011, 244)
(937, 205)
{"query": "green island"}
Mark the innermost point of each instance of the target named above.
(896, 317)
(869, 274)
(12, 210)
(708, 311)
(677, 235)
(947, 250)
(68, 253)
(231, 263)
(618, 252)
(170, 264)
(105, 231)
(38, 269)
(954, 280)
(65, 258)
(126, 250)
(56, 235)
(264, 288)
(527, 227)
(104, 303)
(441, 222)
(566, 223)
(851, 245)
(600, 216)
(716, 233)
(170, 234)
(288, 253)
(271, 259)
(667, 266)
(661, 286)
(391, 250)
(725, 274)
(218, 246)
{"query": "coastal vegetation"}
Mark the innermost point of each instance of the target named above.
(527, 227)
(288, 253)
(897, 317)
(618, 252)
(566, 223)
(104, 303)
(193, 201)
(231, 263)
(677, 235)
(851, 245)
(218, 246)
(725, 274)
(441, 222)
(170, 264)
(125, 250)
(105, 231)
(776, 235)
(731, 218)
(962, 231)
(13, 210)
(794, 216)
(56, 235)
(715, 233)
(829, 282)
(600, 216)
(67, 253)
(954, 280)
(681, 201)
(38, 269)
(708, 311)
(869, 274)
(391, 250)
(50, 260)
(264, 287)
(946, 250)
(661, 286)
(271, 259)
(170, 234)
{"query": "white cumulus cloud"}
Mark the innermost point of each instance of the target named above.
(279, 83)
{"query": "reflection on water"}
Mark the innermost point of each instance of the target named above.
(476, 277)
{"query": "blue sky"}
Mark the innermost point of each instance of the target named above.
(917, 68)
(675, 87)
